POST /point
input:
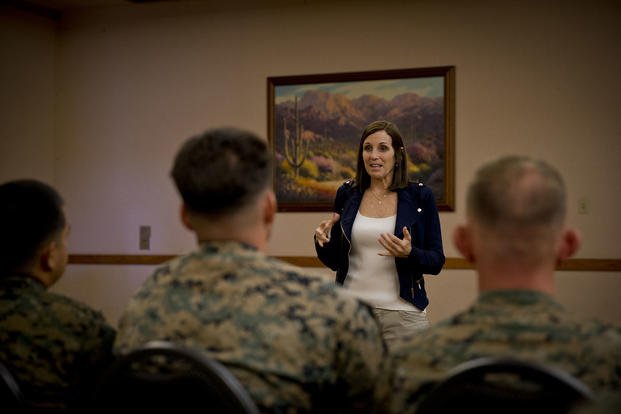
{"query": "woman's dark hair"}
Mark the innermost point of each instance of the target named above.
(400, 171)
(31, 214)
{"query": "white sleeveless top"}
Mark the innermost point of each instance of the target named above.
(371, 277)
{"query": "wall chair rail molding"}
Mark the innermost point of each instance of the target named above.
(581, 265)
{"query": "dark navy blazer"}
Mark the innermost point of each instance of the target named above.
(416, 210)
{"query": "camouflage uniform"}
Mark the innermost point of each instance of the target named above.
(295, 341)
(53, 345)
(521, 324)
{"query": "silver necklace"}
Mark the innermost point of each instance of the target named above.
(379, 199)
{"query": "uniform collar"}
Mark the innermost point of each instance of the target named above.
(516, 297)
(21, 280)
(219, 246)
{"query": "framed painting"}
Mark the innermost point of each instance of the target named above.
(315, 123)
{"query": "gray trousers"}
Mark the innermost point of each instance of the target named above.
(397, 324)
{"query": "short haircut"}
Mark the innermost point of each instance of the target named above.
(221, 170)
(400, 171)
(517, 192)
(31, 214)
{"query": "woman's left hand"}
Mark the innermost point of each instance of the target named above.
(395, 246)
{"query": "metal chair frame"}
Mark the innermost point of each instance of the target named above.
(507, 385)
(135, 381)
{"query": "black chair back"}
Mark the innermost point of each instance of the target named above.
(505, 385)
(11, 398)
(166, 377)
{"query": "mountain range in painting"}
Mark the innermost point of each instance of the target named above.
(321, 131)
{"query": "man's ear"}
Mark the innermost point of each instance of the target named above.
(46, 256)
(185, 217)
(569, 244)
(462, 239)
(269, 207)
(47, 262)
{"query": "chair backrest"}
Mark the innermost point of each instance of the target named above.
(11, 398)
(505, 385)
(163, 376)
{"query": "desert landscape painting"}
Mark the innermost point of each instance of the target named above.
(315, 130)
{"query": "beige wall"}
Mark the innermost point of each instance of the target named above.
(27, 88)
(122, 87)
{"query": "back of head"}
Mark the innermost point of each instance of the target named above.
(221, 171)
(31, 214)
(518, 200)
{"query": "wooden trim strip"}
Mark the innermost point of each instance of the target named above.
(118, 259)
(582, 265)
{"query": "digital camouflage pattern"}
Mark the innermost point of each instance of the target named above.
(295, 341)
(53, 345)
(521, 324)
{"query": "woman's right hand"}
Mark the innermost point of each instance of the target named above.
(322, 233)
